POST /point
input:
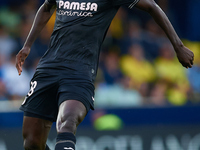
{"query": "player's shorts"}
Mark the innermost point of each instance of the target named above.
(50, 87)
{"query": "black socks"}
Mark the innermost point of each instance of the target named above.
(65, 141)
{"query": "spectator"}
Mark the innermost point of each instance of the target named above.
(7, 44)
(158, 93)
(169, 69)
(117, 95)
(153, 38)
(11, 79)
(135, 66)
(29, 9)
(3, 91)
(134, 35)
(10, 18)
(194, 79)
(111, 71)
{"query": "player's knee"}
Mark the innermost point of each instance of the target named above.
(33, 144)
(67, 122)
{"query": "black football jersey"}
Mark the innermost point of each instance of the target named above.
(79, 31)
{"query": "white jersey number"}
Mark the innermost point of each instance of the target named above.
(33, 86)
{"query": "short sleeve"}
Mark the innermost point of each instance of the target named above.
(129, 3)
(53, 2)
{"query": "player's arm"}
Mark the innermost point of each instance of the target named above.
(43, 14)
(185, 56)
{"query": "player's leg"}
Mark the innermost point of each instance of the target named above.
(35, 133)
(71, 114)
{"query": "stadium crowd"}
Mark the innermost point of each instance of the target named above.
(137, 67)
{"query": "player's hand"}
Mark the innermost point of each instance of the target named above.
(185, 56)
(20, 58)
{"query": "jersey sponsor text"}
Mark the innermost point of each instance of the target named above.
(78, 6)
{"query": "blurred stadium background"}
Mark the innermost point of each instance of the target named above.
(145, 100)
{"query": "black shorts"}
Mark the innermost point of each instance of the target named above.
(50, 87)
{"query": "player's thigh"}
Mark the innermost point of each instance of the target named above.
(35, 130)
(71, 114)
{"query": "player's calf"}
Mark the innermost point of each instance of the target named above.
(66, 128)
(35, 132)
(71, 114)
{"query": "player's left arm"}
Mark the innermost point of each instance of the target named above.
(185, 56)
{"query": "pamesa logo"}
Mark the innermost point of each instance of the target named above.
(78, 6)
(79, 9)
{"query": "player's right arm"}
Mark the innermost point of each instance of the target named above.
(43, 14)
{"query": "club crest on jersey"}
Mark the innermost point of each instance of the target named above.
(77, 8)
